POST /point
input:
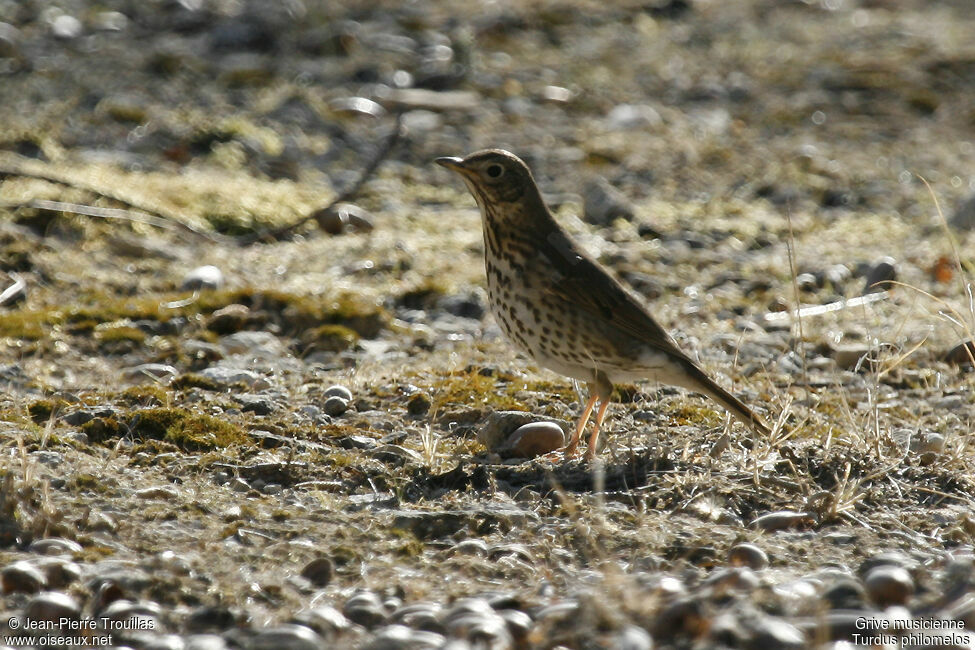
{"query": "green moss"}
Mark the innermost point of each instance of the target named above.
(187, 430)
(26, 324)
(147, 395)
(87, 482)
(328, 338)
(116, 333)
(194, 380)
(42, 410)
(471, 389)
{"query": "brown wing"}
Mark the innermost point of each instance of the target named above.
(581, 281)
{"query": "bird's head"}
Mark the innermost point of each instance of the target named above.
(495, 177)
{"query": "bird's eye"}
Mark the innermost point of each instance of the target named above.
(494, 171)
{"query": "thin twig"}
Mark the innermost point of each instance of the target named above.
(343, 197)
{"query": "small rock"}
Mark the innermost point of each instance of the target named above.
(501, 424)
(964, 217)
(229, 319)
(257, 404)
(889, 585)
(925, 442)
(419, 616)
(335, 219)
(59, 572)
(749, 555)
(365, 608)
(214, 618)
(338, 391)
(110, 21)
(202, 277)
(848, 357)
(163, 492)
(603, 203)
(420, 98)
(633, 116)
(357, 106)
(400, 637)
(881, 273)
(783, 519)
(227, 377)
(535, 439)
(962, 354)
(324, 619)
(844, 593)
(10, 39)
(205, 642)
(66, 27)
(151, 372)
(22, 577)
(633, 638)
(335, 406)
(55, 546)
(287, 637)
(52, 606)
(319, 571)
(418, 404)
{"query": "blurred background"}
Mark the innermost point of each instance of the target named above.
(809, 105)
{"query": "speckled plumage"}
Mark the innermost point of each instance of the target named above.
(560, 306)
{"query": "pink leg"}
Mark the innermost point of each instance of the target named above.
(594, 438)
(570, 449)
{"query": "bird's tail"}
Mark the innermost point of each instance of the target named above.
(700, 382)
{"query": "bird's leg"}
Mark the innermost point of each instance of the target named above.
(594, 437)
(570, 449)
(602, 388)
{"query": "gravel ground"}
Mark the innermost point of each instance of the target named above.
(306, 442)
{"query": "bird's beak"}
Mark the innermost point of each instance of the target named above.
(451, 162)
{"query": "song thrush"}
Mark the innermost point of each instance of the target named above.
(561, 307)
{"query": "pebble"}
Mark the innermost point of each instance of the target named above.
(10, 38)
(229, 319)
(205, 642)
(66, 27)
(365, 608)
(748, 555)
(400, 637)
(633, 116)
(22, 576)
(535, 439)
(431, 100)
(603, 203)
(880, 274)
(889, 585)
(501, 424)
(151, 373)
(162, 492)
(324, 619)
(844, 593)
(336, 219)
(357, 106)
(964, 216)
(319, 571)
(58, 571)
(287, 637)
(54, 546)
(202, 278)
(418, 404)
(420, 616)
(961, 354)
(783, 519)
(335, 406)
(227, 377)
(338, 390)
(52, 606)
